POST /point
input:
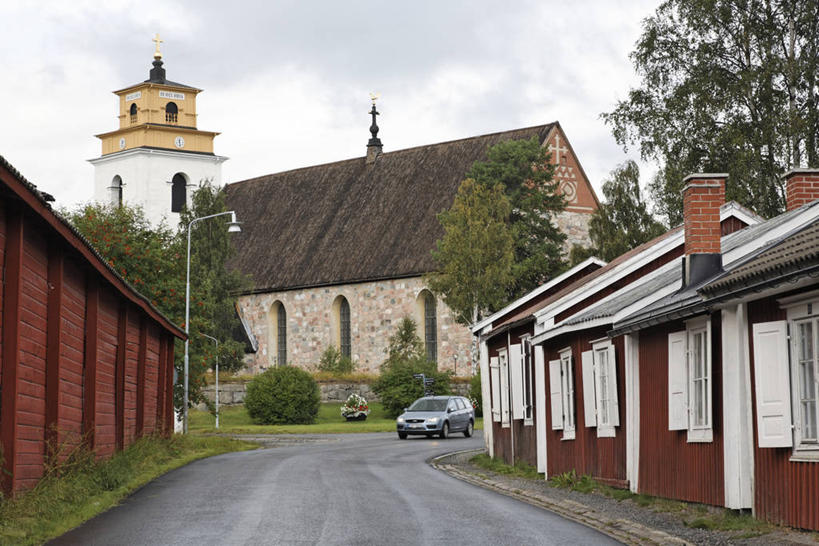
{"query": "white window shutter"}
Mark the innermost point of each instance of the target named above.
(504, 390)
(677, 382)
(615, 401)
(589, 389)
(556, 395)
(773, 392)
(540, 407)
(516, 367)
(494, 369)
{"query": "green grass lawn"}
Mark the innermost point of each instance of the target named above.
(235, 420)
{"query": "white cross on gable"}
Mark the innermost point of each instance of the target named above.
(558, 150)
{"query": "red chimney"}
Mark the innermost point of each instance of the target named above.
(801, 186)
(703, 194)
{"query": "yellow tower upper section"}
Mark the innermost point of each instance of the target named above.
(157, 113)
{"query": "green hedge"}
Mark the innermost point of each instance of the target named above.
(283, 396)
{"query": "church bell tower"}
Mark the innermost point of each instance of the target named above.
(157, 156)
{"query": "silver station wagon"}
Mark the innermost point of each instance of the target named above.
(437, 415)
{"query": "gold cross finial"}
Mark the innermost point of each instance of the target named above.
(157, 54)
(374, 97)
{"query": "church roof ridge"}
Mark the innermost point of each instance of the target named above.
(400, 150)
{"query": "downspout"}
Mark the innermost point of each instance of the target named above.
(509, 388)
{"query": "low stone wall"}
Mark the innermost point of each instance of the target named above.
(234, 393)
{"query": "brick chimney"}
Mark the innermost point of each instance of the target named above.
(801, 186)
(703, 194)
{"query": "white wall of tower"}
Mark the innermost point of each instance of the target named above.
(146, 176)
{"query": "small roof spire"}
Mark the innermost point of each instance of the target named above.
(374, 145)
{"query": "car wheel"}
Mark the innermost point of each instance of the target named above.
(402, 435)
(444, 431)
(468, 431)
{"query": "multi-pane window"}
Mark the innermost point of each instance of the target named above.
(806, 373)
(344, 328)
(604, 381)
(281, 342)
(689, 380)
(527, 381)
(700, 378)
(430, 327)
(567, 386)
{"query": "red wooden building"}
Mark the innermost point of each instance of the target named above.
(84, 358)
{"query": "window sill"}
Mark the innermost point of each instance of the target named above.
(606, 432)
(528, 422)
(805, 456)
(700, 436)
(568, 435)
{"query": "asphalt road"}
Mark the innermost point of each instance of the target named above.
(333, 489)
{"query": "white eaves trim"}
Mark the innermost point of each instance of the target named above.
(478, 328)
(624, 312)
(544, 315)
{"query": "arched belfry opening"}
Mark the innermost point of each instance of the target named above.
(133, 112)
(179, 192)
(171, 112)
(116, 191)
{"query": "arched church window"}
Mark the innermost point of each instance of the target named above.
(430, 326)
(133, 111)
(344, 323)
(171, 112)
(281, 342)
(178, 192)
(116, 191)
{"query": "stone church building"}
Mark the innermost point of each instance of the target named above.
(337, 252)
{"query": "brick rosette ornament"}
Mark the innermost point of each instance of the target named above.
(355, 408)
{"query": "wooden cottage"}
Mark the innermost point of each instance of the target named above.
(84, 358)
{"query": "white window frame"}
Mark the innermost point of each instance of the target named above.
(605, 365)
(527, 360)
(494, 378)
(503, 364)
(567, 392)
(800, 310)
(700, 431)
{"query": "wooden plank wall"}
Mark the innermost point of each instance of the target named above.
(670, 466)
(66, 338)
(602, 458)
(785, 492)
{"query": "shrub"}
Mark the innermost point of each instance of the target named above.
(334, 362)
(475, 394)
(396, 386)
(283, 396)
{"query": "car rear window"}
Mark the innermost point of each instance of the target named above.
(428, 404)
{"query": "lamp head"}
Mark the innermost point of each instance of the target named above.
(234, 226)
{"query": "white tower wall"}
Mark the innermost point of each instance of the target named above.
(146, 177)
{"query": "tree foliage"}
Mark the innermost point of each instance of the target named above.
(522, 167)
(152, 259)
(727, 86)
(396, 386)
(621, 223)
(475, 255)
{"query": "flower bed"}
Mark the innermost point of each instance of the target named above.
(355, 408)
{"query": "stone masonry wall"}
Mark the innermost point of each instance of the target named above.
(576, 227)
(376, 308)
(234, 393)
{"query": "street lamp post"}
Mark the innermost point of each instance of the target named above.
(233, 227)
(217, 375)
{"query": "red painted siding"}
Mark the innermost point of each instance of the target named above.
(69, 415)
(150, 417)
(2, 268)
(669, 465)
(31, 373)
(785, 492)
(602, 458)
(130, 394)
(105, 433)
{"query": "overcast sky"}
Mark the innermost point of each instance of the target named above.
(287, 82)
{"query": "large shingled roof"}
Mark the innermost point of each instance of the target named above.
(348, 221)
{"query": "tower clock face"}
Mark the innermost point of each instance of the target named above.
(179, 142)
(122, 143)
